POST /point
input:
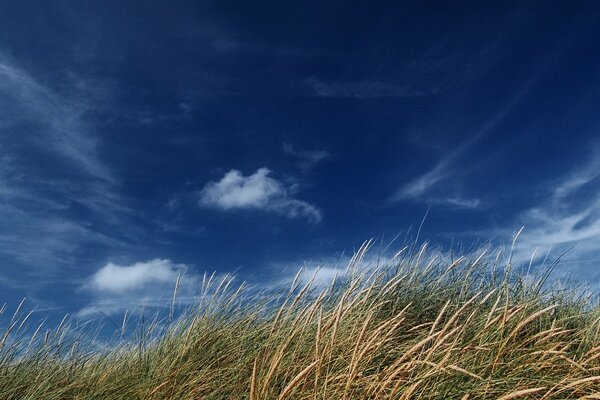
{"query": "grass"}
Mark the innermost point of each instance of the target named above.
(416, 327)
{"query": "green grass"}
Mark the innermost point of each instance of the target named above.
(416, 327)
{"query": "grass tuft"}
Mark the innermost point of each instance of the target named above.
(416, 327)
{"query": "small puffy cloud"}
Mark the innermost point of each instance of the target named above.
(120, 278)
(150, 284)
(258, 191)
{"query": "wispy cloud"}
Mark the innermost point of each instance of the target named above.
(447, 166)
(43, 241)
(363, 89)
(579, 178)
(258, 191)
(49, 167)
(56, 122)
(150, 284)
(457, 202)
(308, 158)
(565, 223)
(569, 216)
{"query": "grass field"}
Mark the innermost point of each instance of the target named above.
(416, 326)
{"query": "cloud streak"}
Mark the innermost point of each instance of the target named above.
(565, 222)
(308, 158)
(56, 193)
(446, 167)
(258, 191)
(363, 89)
(570, 215)
(56, 123)
(458, 202)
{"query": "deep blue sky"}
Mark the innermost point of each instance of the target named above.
(142, 139)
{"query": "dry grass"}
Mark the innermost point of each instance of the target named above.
(416, 328)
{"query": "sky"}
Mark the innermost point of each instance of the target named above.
(142, 141)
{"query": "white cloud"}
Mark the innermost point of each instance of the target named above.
(150, 284)
(258, 191)
(120, 278)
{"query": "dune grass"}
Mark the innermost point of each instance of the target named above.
(416, 326)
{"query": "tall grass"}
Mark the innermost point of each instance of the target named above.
(415, 327)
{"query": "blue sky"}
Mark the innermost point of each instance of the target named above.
(141, 140)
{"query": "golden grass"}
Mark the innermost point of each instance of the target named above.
(417, 327)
